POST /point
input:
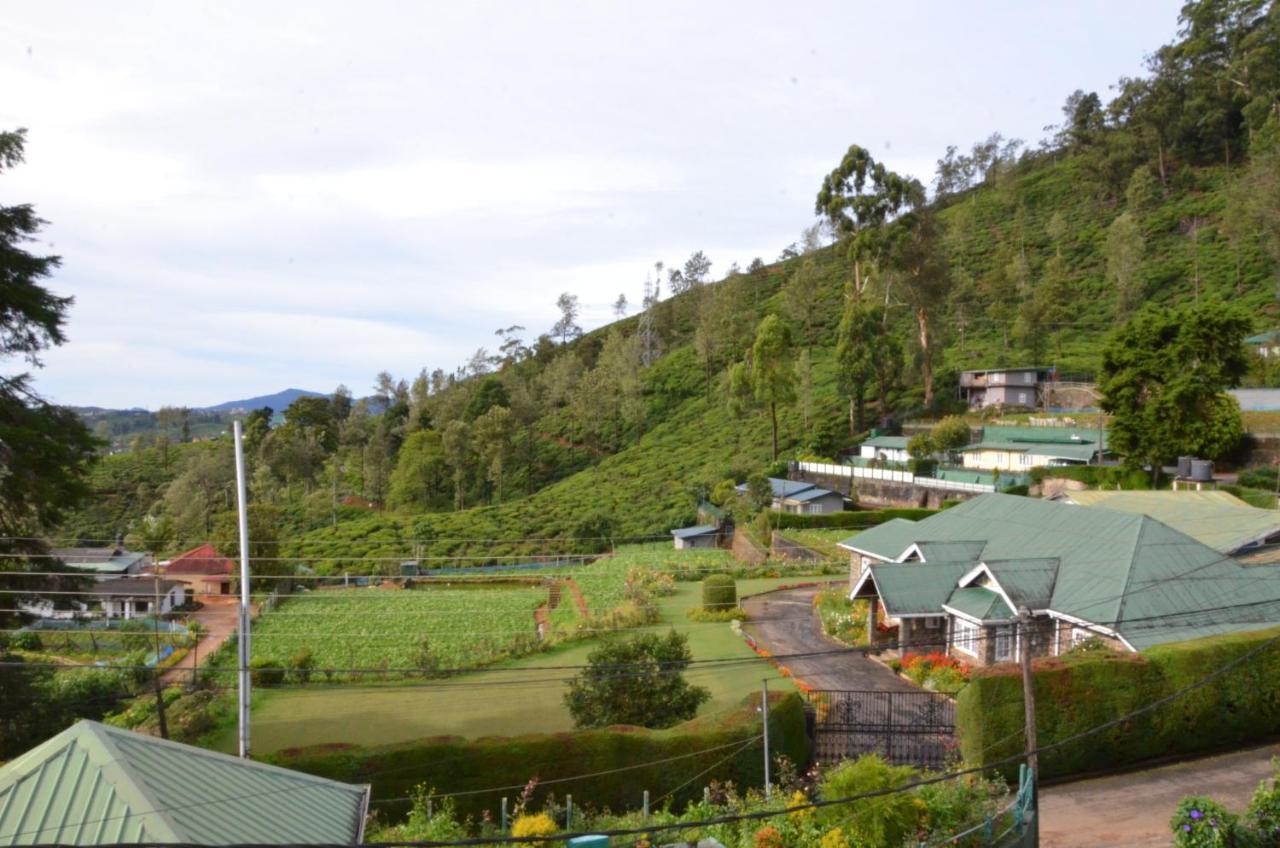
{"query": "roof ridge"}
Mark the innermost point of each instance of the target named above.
(105, 735)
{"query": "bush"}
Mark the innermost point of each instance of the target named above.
(885, 820)
(1079, 692)
(652, 692)
(1201, 822)
(707, 615)
(538, 824)
(265, 672)
(856, 519)
(719, 592)
(301, 664)
(27, 640)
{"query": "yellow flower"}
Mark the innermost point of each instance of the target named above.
(540, 824)
(799, 816)
(834, 838)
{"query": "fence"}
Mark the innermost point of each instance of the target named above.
(1020, 820)
(858, 472)
(906, 728)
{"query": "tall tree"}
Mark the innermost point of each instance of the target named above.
(45, 450)
(1123, 251)
(1164, 376)
(456, 440)
(491, 439)
(860, 350)
(920, 266)
(567, 327)
(620, 307)
(800, 297)
(857, 198)
(773, 375)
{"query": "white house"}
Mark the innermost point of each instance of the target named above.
(885, 449)
(701, 536)
(136, 597)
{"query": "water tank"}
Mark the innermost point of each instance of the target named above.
(1184, 466)
(1202, 470)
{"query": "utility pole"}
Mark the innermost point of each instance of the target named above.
(243, 637)
(764, 712)
(155, 672)
(1029, 702)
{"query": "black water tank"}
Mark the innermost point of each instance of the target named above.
(1184, 466)
(1202, 470)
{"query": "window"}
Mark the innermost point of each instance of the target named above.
(1004, 643)
(964, 636)
(1080, 635)
(1025, 459)
(932, 622)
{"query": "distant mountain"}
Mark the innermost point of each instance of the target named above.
(278, 401)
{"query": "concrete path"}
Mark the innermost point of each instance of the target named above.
(785, 623)
(219, 616)
(1133, 810)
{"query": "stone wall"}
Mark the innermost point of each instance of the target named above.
(878, 493)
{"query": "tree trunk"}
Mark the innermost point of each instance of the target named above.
(773, 418)
(926, 367)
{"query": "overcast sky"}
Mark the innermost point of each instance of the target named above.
(249, 197)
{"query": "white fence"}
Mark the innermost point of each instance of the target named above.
(859, 472)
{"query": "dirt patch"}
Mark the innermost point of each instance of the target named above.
(542, 615)
(578, 599)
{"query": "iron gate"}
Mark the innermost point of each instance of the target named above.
(906, 728)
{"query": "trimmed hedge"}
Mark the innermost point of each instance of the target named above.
(453, 764)
(719, 592)
(857, 519)
(1075, 694)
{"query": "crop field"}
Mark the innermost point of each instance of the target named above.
(377, 629)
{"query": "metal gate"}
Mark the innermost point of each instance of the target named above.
(906, 728)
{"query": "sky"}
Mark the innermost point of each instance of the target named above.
(253, 196)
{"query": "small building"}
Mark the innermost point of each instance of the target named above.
(885, 449)
(1001, 387)
(1266, 344)
(103, 563)
(1019, 449)
(98, 785)
(699, 536)
(136, 597)
(801, 498)
(202, 569)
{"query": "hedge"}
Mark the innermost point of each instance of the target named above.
(1076, 694)
(857, 519)
(453, 764)
(719, 592)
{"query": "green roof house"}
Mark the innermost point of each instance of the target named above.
(1218, 519)
(1020, 449)
(958, 580)
(99, 785)
(1266, 343)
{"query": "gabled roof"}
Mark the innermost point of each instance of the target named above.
(962, 551)
(1126, 571)
(1218, 519)
(1023, 582)
(100, 560)
(693, 532)
(812, 494)
(915, 589)
(201, 560)
(979, 603)
(99, 785)
(135, 587)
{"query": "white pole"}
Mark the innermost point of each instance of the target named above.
(764, 710)
(243, 638)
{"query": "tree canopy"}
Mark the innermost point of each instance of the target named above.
(651, 693)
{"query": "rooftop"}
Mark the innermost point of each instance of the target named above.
(1218, 519)
(135, 587)
(693, 532)
(99, 785)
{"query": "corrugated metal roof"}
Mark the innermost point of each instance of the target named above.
(916, 588)
(95, 785)
(1127, 571)
(980, 603)
(960, 551)
(890, 442)
(812, 495)
(691, 532)
(1218, 519)
(1028, 582)
(1044, 435)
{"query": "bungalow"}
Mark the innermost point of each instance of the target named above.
(1218, 519)
(1266, 344)
(134, 597)
(98, 785)
(961, 578)
(202, 569)
(701, 536)
(885, 449)
(103, 563)
(802, 498)
(1020, 449)
(1003, 386)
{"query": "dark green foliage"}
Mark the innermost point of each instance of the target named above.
(1163, 377)
(638, 681)
(453, 764)
(265, 672)
(39, 703)
(1095, 476)
(719, 592)
(490, 393)
(1201, 822)
(1088, 690)
(853, 519)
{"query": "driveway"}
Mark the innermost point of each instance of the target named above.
(784, 623)
(1133, 810)
(219, 616)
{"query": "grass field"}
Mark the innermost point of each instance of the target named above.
(521, 696)
(823, 541)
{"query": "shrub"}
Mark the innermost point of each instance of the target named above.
(768, 837)
(719, 592)
(265, 672)
(855, 519)
(1263, 816)
(652, 693)
(301, 664)
(708, 615)
(27, 640)
(884, 820)
(537, 824)
(1201, 822)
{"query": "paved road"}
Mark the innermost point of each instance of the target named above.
(784, 623)
(219, 615)
(1133, 810)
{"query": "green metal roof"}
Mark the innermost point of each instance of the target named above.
(1027, 582)
(97, 785)
(886, 540)
(891, 442)
(1127, 571)
(1218, 519)
(916, 588)
(1263, 338)
(980, 603)
(951, 551)
(1043, 435)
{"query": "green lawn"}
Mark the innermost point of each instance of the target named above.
(823, 541)
(507, 700)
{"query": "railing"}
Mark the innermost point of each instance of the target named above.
(906, 728)
(861, 473)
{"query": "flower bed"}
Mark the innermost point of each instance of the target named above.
(935, 671)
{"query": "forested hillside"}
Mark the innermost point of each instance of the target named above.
(1019, 254)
